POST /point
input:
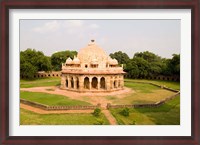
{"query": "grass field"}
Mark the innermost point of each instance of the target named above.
(31, 118)
(143, 93)
(50, 99)
(170, 84)
(40, 82)
(167, 114)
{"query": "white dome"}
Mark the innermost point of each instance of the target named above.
(69, 60)
(76, 60)
(94, 61)
(91, 52)
(112, 61)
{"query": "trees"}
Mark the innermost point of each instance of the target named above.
(121, 57)
(60, 57)
(147, 64)
(32, 61)
(172, 66)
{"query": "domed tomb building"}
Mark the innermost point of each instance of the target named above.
(92, 71)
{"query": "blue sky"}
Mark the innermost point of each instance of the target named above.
(161, 37)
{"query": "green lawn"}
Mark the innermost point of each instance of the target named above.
(170, 84)
(167, 114)
(50, 99)
(40, 82)
(142, 93)
(31, 118)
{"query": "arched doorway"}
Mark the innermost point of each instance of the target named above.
(77, 83)
(115, 84)
(66, 83)
(72, 82)
(94, 82)
(86, 83)
(102, 83)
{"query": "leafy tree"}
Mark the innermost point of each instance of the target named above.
(32, 61)
(125, 112)
(60, 57)
(97, 112)
(121, 57)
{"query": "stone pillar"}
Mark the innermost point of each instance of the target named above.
(81, 83)
(90, 83)
(98, 83)
(116, 83)
(75, 82)
(63, 82)
(69, 82)
(107, 83)
(122, 81)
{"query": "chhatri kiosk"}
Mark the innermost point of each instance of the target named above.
(92, 71)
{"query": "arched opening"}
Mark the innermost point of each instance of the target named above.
(67, 83)
(94, 82)
(86, 83)
(115, 84)
(77, 83)
(72, 83)
(102, 83)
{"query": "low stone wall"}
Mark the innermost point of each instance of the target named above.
(46, 107)
(157, 104)
(47, 74)
(166, 78)
(34, 104)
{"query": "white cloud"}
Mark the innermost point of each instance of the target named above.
(94, 26)
(51, 26)
(73, 24)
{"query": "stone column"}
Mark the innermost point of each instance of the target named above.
(98, 83)
(107, 83)
(81, 83)
(63, 82)
(116, 83)
(90, 83)
(75, 82)
(69, 82)
(122, 81)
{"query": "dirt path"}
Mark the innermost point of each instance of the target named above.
(93, 98)
(109, 116)
(41, 111)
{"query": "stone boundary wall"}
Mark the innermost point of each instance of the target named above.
(47, 74)
(46, 107)
(160, 77)
(157, 104)
(58, 74)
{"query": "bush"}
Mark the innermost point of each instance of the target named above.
(97, 112)
(133, 123)
(125, 112)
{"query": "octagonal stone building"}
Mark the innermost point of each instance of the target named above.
(92, 70)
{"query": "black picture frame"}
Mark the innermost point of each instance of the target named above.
(6, 5)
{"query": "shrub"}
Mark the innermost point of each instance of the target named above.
(97, 112)
(125, 112)
(133, 123)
